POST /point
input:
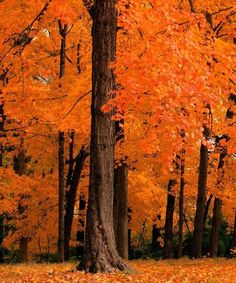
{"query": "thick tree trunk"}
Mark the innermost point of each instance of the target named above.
(181, 206)
(100, 247)
(121, 209)
(61, 197)
(71, 198)
(216, 222)
(201, 199)
(167, 249)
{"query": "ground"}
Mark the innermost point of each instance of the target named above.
(150, 271)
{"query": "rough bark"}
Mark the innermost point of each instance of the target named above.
(181, 206)
(100, 248)
(168, 235)
(121, 209)
(71, 197)
(201, 199)
(61, 197)
(216, 222)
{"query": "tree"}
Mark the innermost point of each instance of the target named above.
(100, 248)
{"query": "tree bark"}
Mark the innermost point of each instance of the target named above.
(61, 197)
(201, 199)
(100, 248)
(121, 210)
(216, 221)
(71, 198)
(168, 235)
(181, 206)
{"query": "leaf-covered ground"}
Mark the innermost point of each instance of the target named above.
(212, 271)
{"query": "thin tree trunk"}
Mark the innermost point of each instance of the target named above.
(81, 226)
(121, 209)
(181, 206)
(216, 221)
(206, 210)
(61, 197)
(168, 235)
(2, 119)
(100, 247)
(20, 169)
(129, 229)
(71, 197)
(233, 245)
(61, 166)
(201, 199)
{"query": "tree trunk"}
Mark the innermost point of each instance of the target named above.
(216, 221)
(81, 226)
(201, 199)
(20, 169)
(71, 198)
(2, 119)
(121, 210)
(100, 247)
(206, 210)
(181, 206)
(61, 197)
(61, 145)
(23, 249)
(233, 245)
(168, 235)
(129, 229)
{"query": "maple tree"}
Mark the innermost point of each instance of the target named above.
(161, 131)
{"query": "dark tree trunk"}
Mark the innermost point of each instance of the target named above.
(61, 166)
(201, 199)
(206, 210)
(2, 119)
(181, 206)
(23, 249)
(121, 209)
(129, 229)
(61, 197)
(100, 247)
(233, 245)
(81, 226)
(20, 169)
(71, 197)
(215, 230)
(168, 235)
(156, 234)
